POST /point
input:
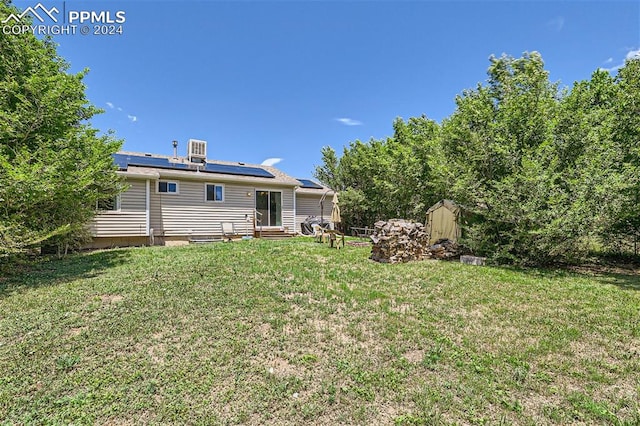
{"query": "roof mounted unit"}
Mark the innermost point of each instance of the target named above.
(197, 151)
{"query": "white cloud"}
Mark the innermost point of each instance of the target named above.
(349, 121)
(616, 68)
(556, 23)
(271, 161)
(633, 54)
(131, 118)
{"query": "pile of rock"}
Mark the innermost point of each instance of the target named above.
(398, 241)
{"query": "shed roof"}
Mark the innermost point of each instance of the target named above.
(451, 205)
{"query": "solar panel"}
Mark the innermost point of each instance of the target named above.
(306, 183)
(123, 161)
(237, 170)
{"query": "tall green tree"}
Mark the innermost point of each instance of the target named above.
(498, 147)
(626, 137)
(587, 157)
(54, 167)
(415, 154)
(386, 178)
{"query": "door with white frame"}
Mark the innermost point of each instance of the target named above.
(269, 205)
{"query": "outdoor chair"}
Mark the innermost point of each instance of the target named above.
(318, 232)
(228, 231)
(335, 239)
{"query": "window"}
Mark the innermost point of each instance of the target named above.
(168, 187)
(110, 204)
(214, 192)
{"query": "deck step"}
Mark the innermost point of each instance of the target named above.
(272, 235)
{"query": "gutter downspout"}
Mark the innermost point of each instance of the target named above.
(295, 209)
(148, 206)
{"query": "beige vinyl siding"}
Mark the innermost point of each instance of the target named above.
(130, 220)
(309, 205)
(288, 212)
(187, 213)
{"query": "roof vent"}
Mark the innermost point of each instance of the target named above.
(197, 151)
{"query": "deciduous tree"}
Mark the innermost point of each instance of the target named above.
(54, 167)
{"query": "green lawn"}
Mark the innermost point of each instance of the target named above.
(293, 332)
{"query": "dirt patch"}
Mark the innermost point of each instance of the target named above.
(335, 327)
(319, 324)
(321, 260)
(176, 243)
(414, 357)
(584, 349)
(387, 414)
(358, 244)
(75, 331)
(290, 329)
(402, 308)
(278, 366)
(308, 297)
(111, 298)
(594, 270)
(157, 353)
(265, 329)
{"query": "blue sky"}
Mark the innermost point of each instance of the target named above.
(268, 79)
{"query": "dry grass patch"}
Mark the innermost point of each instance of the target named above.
(108, 299)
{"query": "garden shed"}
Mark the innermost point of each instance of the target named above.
(443, 221)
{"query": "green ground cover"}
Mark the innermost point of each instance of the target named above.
(293, 332)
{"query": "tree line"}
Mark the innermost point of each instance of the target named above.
(544, 174)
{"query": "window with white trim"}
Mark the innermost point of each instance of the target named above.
(108, 205)
(167, 187)
(214, 192)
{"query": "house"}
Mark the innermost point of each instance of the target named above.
(173, 200)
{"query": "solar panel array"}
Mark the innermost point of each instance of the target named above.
(123, 161)
(306, 183)
(237, 170)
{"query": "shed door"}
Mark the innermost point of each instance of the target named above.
(443, 225)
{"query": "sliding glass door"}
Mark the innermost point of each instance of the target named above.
(269, 204)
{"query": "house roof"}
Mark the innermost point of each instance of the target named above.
(164, 166)
(308, 183)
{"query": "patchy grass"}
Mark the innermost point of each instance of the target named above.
(293, 332)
